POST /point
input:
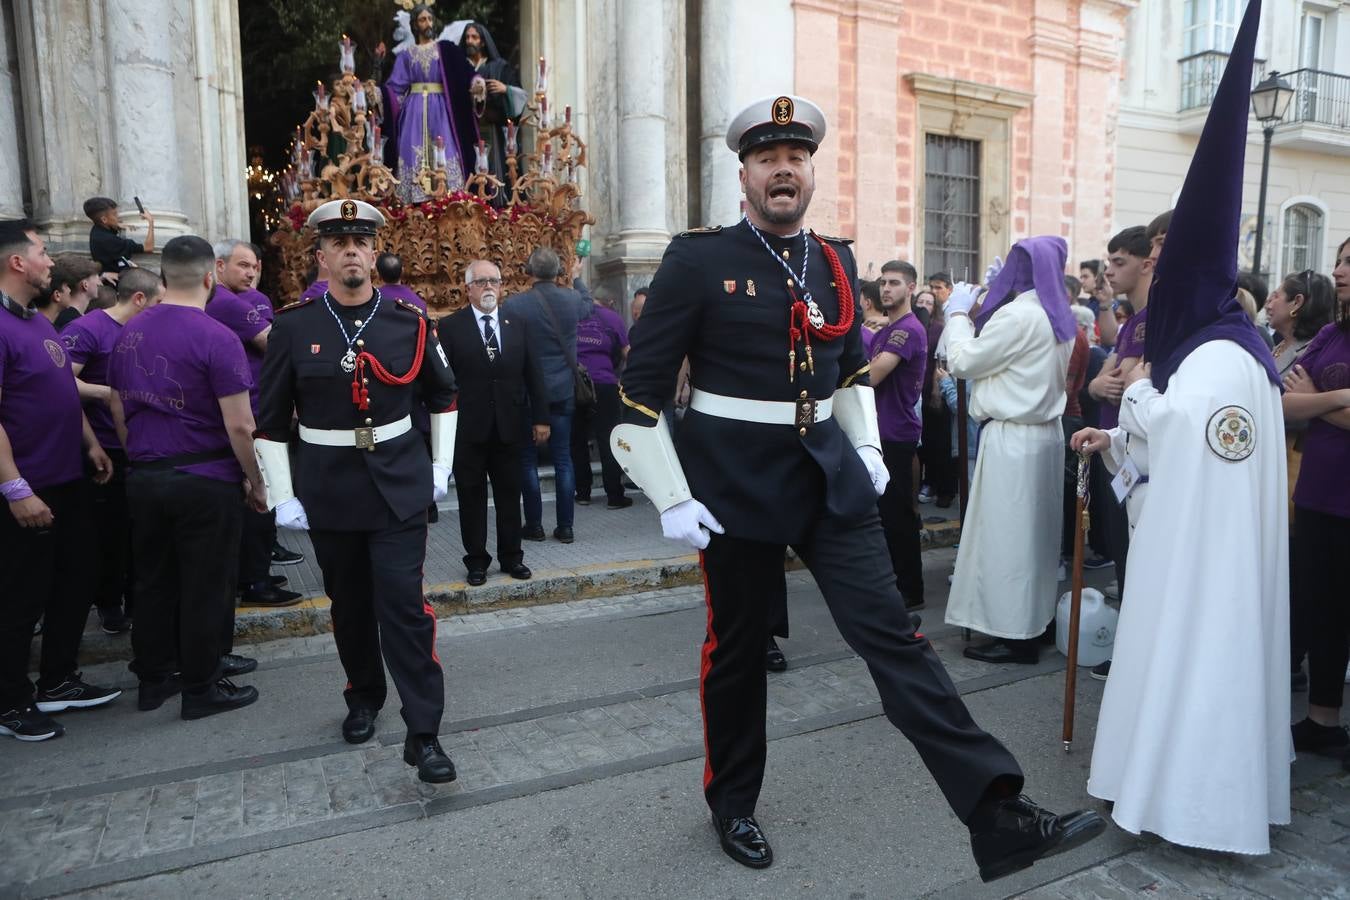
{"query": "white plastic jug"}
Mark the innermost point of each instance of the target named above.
(1096, 627)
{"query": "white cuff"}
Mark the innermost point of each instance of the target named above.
(647, 455)
(275, 463)
(855, 408)
(443, 426)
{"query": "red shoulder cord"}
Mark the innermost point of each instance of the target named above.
(799, 320)
(361, 394)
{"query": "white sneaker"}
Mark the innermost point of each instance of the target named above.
(926, 494)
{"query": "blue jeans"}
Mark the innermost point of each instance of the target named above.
(564, 476)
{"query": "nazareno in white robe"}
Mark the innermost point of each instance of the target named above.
(1005, 582)
(1193, 740)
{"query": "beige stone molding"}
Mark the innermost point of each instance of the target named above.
(933, 89)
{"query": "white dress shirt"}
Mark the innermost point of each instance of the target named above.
(478, 315)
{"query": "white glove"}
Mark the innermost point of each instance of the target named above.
(962, 298)
(992, 272)
(690, 521)
(440, 483)
(290, 514)
(876, 468)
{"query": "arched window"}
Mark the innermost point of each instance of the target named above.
(1302, 239)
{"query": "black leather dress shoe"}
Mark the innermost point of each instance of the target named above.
(1017, 832)
(152, 694)
(424, 752)
(563, 534)
(1001, 651)
(519, 571)
(774, 660)
(359, 726)
(232, 664)
(278, 580)
(477, 577)
(535, 533)
(743, 841)
(267, 594)
(220, 697)
(619, 503)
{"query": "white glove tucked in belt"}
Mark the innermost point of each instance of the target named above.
(876, 468)
(290, 514)
(690, 521)
(440, 488)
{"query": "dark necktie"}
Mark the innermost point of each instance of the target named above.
(490, 339)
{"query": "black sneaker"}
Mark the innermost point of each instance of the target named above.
(283, 557)
(533, 533)
(1101, 670)
(113, 621)
(1097, 562)
(582, 499)
(73, 694)
(619, 503)
(1324, 740)
(220, 697)
(232, 664)
(29, 725)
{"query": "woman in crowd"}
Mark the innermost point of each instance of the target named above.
(602, 346)
(1317, 391)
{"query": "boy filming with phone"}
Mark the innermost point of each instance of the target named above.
(108, 244)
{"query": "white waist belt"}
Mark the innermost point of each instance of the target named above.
(800, 413)
(363, 438)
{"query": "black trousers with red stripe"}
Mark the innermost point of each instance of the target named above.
(381, 617)
(851, 566)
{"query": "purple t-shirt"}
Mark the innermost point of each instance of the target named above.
(1129, 345)
(1322, 482)
(315, 290)
(170, 368)
(868, 336)
(247, 322)
(261, 302)
(600, 338)
(39, 403)
(90, 340)
(898, 396)
(404, 293)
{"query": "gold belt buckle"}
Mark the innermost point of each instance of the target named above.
(806, 413)
(365, 438)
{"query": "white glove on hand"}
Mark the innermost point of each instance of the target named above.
(690, 521)
(440, 483)
(290, 514)
(992, 272)
(876, 468)
(962, 298)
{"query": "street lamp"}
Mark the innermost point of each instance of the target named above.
(1270, 101)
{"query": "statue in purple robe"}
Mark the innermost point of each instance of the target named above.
(429, 99)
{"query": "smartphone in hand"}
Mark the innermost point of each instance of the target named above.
(139, 205)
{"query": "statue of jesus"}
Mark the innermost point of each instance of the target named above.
(428, 98)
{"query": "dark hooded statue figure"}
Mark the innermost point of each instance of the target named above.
(504, 99)
(1193, 740)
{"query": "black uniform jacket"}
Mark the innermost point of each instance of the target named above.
(721, 298)
(500, 391)
(343, 488)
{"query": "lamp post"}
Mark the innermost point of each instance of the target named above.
(1270, 101)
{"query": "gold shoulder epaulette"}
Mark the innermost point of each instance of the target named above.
(707, 229)
(837, 240)
(404, 304)
(303, 301)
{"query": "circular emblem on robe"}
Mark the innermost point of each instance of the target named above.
(347, 210)
(55, 351)
(782, 111)
(1231, 434)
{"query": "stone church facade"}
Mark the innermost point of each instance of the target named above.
(956, 126)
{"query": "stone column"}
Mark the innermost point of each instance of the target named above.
(643, 39)
(13, 174)
(1052, 50)
(1100, 24)
(144, 137)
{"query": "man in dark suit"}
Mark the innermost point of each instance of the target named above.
(551, 313)
(499, 386)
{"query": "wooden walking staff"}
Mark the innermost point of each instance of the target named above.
(1080, 518)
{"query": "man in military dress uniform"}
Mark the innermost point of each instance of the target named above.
(781, 448)
(352, 363)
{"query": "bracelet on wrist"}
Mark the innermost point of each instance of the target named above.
(16, 490)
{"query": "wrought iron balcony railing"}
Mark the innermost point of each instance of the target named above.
(1321, 98)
